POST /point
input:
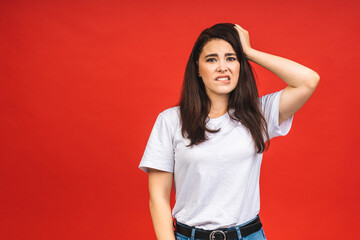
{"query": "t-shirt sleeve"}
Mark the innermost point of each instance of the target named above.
(159, 153)
(270, 108)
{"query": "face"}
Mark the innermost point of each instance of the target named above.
(219, 68)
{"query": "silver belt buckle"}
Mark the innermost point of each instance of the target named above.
(212, 234)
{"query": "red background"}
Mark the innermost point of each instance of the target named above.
(81, 84)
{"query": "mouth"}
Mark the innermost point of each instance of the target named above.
(225, 79)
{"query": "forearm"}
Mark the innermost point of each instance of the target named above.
(292, 73)
(162, 220)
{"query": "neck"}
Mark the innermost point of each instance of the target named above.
(219, 104)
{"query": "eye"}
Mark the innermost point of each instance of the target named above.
(210, 60)
(231, 59)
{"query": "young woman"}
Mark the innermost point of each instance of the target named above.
(211, 145)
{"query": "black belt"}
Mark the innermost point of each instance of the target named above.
(220, 234)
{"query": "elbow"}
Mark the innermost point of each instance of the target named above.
(156, 200)
(312, 80)
(160, 203)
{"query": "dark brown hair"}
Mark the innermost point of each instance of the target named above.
(244, 99)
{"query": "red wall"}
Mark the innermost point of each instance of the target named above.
(81, 83)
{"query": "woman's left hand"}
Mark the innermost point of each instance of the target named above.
(244, 39)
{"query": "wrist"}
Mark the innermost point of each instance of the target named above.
(250, 52)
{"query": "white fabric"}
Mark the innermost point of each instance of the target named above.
(216, 182)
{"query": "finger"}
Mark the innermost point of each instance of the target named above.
(239, 26)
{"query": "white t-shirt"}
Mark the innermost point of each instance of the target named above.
(216, 182)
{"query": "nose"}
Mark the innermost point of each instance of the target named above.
(222, 67)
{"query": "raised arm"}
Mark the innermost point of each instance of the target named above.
(160, 184)
(302, 81)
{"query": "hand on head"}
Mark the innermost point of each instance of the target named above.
(244, 38)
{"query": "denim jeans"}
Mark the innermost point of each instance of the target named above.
(259, 235)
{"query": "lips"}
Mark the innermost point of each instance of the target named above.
(223, 78)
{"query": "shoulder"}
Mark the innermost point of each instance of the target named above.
(169, 118)
(171, 114)
(269, 99)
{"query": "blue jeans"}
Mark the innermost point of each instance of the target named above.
(259, 235)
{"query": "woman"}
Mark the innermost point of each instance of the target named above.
(212, 143)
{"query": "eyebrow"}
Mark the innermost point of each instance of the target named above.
(216, 55)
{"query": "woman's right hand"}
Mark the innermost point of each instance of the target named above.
(160, 184)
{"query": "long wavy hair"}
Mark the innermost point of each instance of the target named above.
(244, 99)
